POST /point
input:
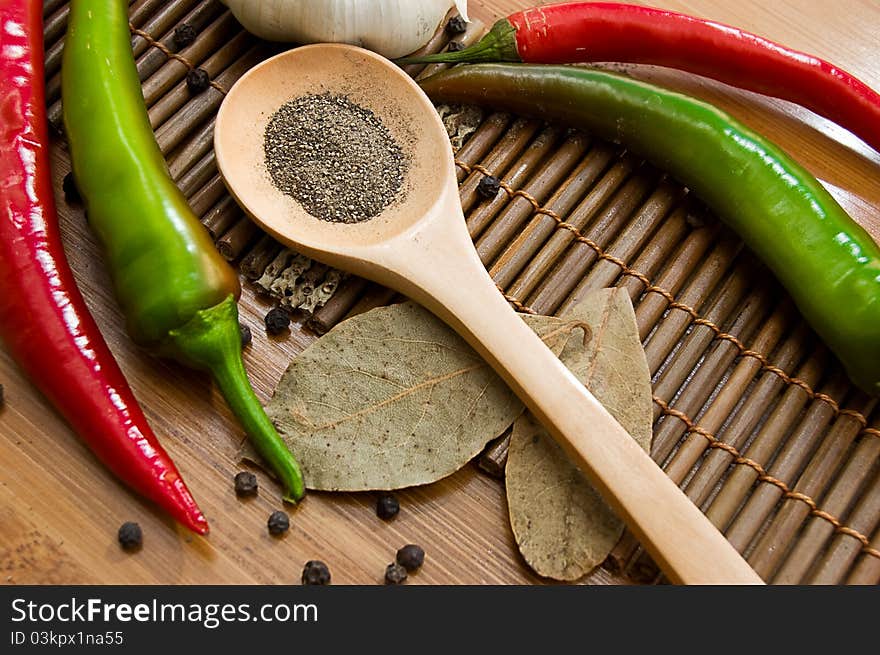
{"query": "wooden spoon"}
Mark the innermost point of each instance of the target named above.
(420, 246)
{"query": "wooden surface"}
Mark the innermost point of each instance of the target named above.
(59, 509)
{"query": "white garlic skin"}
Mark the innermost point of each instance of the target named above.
(392, 28)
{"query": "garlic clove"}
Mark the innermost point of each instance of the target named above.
(392, 28)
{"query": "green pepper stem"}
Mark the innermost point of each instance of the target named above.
(499, 44)
(211, 341)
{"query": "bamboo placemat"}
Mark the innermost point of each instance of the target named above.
(753, 417)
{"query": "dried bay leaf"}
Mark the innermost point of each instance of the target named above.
(562, 526)
(394, 398)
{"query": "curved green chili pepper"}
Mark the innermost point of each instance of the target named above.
(826, 261)
(178, 294)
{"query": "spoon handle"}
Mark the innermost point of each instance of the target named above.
(443, 273)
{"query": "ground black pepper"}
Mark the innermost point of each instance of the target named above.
(246, 335)
(488, 187)
(184, 35)
(245, 484)
(278, 523)
(395, 574)
(387, 506)
(455, 46)
(197, 80)
(334, 157)
(71, 192)
(456, 25)
(130, 536)
(316, 572)
(411, 557)
(277, 320)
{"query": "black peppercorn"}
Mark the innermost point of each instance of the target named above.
(455, 46)
(245, 484)
(410, 557)
(395, 574)
(130, 536)
(316, 572)
(456, 25)
(278, 523)
(489, 187)
(184, 35)
(71, 192)
(246, 336)
(277, 320)
(197, 80)
(387, 506)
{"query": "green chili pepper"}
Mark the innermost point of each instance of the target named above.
(178, 294)
(826, 261)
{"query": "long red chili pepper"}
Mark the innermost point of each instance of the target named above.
(44, 321)
(581, 32)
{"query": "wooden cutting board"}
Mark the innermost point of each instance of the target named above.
(60, 509)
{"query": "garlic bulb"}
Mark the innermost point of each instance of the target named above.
(390, 27)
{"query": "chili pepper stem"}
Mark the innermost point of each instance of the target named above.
(211, 341)
(499, 44)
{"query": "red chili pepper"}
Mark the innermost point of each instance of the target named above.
(581, 32)
(44, 321)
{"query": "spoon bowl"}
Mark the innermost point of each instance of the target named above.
(419, 245)
(367, 80)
